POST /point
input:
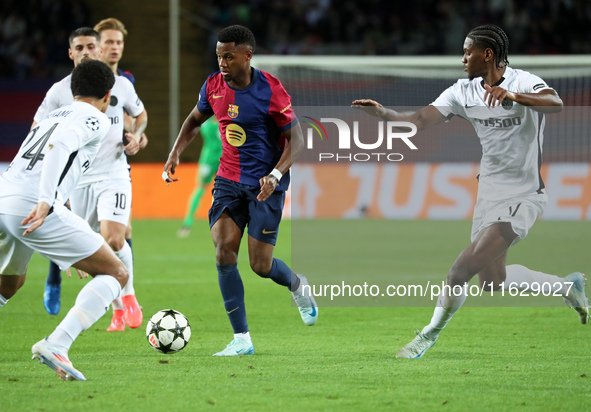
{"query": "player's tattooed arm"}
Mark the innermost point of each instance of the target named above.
(129, 123)
(134, 137)
(140, 124)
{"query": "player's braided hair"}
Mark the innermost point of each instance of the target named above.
(493, 37)
(83, 32)
(92, 78)
(238, 35)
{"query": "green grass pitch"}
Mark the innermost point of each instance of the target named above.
(489, 358)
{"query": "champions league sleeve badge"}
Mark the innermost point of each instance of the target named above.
(93, 123)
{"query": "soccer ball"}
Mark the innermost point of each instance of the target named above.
(168, 331)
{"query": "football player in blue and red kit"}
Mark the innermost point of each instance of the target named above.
(261, 137)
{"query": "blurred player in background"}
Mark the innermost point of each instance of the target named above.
(507, 108)
(209, 161)
(45, 171)
(262, 138)
(110, 51)
(112, 34)
(112, 42)
(103, 197)
(83, 47)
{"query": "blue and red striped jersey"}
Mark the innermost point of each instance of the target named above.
(127, 75)
(251, 122)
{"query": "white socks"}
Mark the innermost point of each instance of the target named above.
(117, 304)
(521, 278)
(446, 307)
(3, 301)
(245, 336)
(126, 257)
(518, 277)
(91, 304)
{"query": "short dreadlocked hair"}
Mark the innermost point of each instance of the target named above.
(238, 35)
(493, 37)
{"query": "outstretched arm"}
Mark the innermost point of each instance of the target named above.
(546, 101)
(293, 149)
(423, 118)
(188, 132)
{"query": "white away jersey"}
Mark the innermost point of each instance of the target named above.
(80, 128)
(511, 135)
(110, 161)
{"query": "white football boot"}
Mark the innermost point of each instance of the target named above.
(576, 297)
(416, 347)
(237, 347)
(305, 302)
(57, 360)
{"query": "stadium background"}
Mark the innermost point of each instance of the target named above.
(33, 55)
(491, 359)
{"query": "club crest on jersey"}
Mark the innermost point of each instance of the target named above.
(232, 111)
(507, 104)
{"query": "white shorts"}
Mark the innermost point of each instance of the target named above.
(104, 200)
(522, 212)
(63, 238)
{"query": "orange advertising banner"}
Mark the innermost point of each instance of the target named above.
(422, 190)
(376, 190)
(154, 199)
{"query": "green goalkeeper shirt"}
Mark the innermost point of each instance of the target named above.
(211, 150)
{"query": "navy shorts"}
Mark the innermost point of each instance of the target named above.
(240, 201)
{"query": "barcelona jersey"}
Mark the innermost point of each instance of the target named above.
(251, 122)
(127, 75)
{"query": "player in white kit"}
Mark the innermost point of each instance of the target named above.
(112, 34)
(507, 108)
(103, 196)
(55, 155)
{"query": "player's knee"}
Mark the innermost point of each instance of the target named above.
(116, 242)
(9, 285)
(461, 272)
(261, 268)
(225, 256)
(120, 273)
(8, 291)
(457, 277)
